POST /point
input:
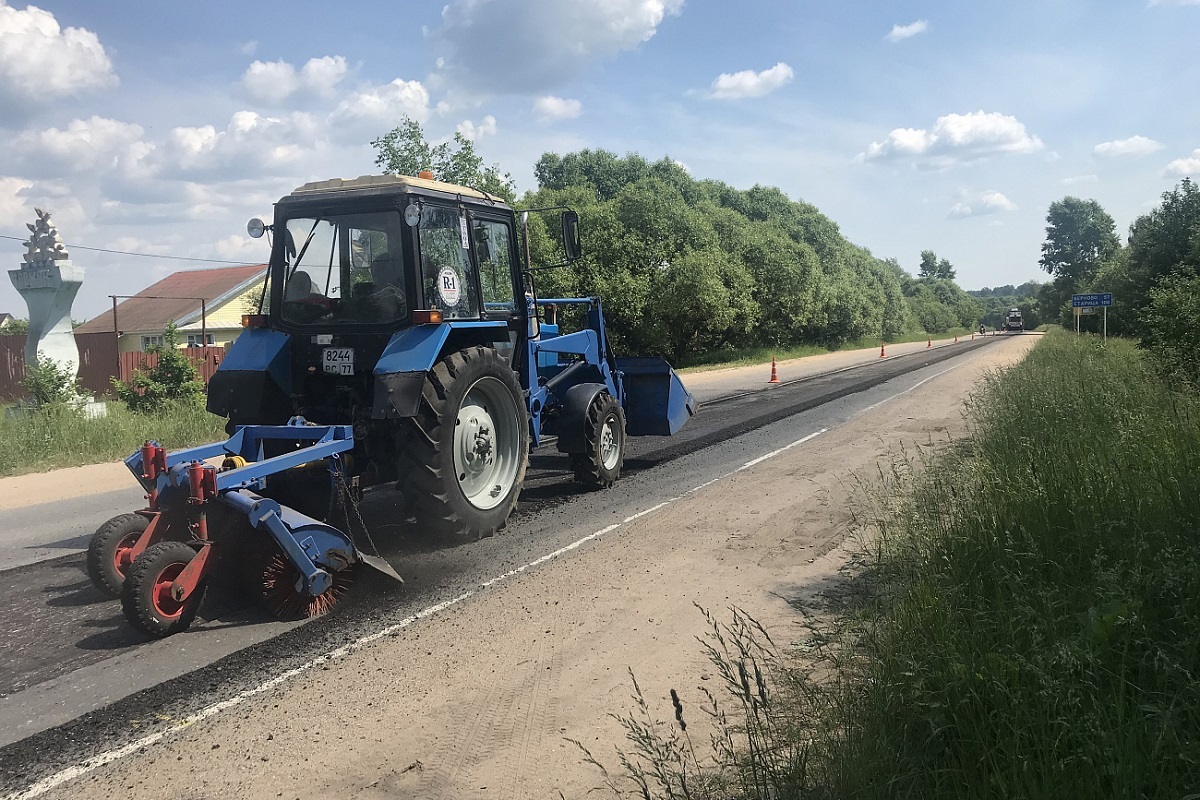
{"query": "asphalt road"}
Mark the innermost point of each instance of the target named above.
(76, 680)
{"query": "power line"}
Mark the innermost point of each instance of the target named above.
(145, 255)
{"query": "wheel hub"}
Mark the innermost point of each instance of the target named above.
(610, 452)
(486, 451)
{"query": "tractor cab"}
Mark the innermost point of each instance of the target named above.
(364, 254)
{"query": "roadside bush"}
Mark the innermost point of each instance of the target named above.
(1171, 327)
(173, 379)
(48, 383)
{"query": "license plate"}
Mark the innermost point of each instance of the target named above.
(338, 360)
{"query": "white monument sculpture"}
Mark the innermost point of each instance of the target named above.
(48, 281)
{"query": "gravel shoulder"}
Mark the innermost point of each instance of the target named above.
(480, 699)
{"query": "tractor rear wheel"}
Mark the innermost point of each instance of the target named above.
(146, 598)
(601, 465)
(110, 552)
(462, 458)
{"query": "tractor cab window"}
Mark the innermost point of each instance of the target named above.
(346, 269)
(493, 251)
(447, 272)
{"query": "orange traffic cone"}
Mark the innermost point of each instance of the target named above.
(929, 343)
(774, 374)
(956, 338)
(881, 353)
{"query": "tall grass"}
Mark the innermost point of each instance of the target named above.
(56, 437)
(1038, 633)
(1031, 624)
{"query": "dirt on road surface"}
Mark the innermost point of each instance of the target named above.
(478, 699)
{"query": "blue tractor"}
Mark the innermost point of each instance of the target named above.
(399, 340)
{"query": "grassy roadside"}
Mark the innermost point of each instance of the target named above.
(1030, 626)
(59, 438)
(1039, 608)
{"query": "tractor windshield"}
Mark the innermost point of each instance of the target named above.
(346, 269)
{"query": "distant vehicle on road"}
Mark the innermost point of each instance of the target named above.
(1013, 321)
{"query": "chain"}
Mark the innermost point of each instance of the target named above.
(349, 499)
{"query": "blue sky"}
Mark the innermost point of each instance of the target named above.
(161, 127)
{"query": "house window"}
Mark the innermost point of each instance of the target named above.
(150, 341)
(194, 340)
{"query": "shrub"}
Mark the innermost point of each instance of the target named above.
(173, 379)
(50, 384)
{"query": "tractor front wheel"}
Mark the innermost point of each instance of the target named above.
(601, 465)
(462, 458)
(110, 553)
(147, 599)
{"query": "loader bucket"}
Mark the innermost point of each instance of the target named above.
(656, 401)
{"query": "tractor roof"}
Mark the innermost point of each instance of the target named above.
(387, 184)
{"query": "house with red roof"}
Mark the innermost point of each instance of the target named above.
(206, 306)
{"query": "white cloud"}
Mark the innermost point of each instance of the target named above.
(251, 144)
(1189, 165)
(473, 132)
(550, 108)
(1133, 146)
(386, 104)
(1076, 180)
(41, 62)
(956, 138)
(538, 45)
(240, 248)
(274, 82)
(901, 32)
(988, 202)
(86, 145)
(748, 83)
(13, 206)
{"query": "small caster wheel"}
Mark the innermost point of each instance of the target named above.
(146, 598)
(110, 553)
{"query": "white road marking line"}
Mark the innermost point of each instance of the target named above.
(95, 762)
(783, 449)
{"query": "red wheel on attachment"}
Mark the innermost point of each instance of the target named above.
(110, 553)
(148, 600)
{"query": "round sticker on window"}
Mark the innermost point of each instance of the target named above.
(448, 288)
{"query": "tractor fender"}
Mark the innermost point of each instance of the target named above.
(412, 352)
(572, 421)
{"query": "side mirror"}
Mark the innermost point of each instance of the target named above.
(570, 231)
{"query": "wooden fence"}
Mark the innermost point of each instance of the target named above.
(99, 362)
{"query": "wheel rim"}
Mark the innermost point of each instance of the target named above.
(123, 555)
(610, 442)
(165, 605)
(487, 446)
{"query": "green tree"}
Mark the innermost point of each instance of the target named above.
(1163, 242)
(1170, 326)
(934, 267)
(404, 151)
(15, 327)
(173, 379)
(1080, 238)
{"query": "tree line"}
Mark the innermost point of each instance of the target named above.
(1154, 276)
(688, 267)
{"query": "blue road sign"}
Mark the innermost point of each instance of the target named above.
(1091, 300)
